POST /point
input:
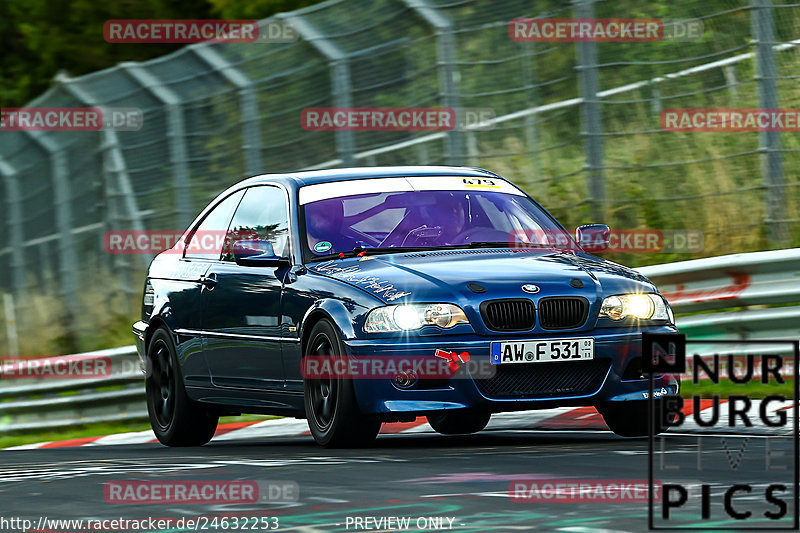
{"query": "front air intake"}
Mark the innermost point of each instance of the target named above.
(564, 312)
(517, 314)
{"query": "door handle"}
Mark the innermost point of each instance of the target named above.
(209, 281)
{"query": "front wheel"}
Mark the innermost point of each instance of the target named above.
(333, 415)
(176, 419)
(459, 422)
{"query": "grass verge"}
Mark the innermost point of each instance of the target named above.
(99, 430)
(754, 390)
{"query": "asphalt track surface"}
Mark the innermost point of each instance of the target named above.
(463, 478)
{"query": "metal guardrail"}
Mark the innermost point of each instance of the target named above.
(715, 285)
(43, 403)
(716, 289)
(726, 281)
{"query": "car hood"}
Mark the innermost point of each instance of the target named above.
(452, 275)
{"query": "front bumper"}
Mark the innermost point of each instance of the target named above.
(619, 348)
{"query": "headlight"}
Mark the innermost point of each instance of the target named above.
(641, 306)
(413, 316)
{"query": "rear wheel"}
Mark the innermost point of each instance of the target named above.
(176, 419)
(333, 415)
(459, 421)
(629, 419)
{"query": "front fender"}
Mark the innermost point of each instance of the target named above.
(345, 317)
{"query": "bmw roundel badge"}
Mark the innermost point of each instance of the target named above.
(530, 288)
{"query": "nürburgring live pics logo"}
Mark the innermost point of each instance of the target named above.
(733, 421)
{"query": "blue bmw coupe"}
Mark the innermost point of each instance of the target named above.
(359, 296)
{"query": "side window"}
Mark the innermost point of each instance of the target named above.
(206, 242)
(261, 215)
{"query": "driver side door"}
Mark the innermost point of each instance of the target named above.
(242, 308)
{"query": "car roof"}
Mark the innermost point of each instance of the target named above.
(311, 177)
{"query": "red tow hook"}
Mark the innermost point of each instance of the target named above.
(454, 359)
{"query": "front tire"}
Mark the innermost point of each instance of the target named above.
(176, 419)
(334, 417)
(459, 422)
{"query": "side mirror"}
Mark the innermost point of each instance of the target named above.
(593, 237)
(257, 253)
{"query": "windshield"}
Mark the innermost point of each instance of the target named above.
(427, 219)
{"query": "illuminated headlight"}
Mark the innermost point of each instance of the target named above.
(413, 316)
(641, 306)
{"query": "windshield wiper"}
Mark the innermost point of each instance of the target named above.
(518, 246)
(359, 252)
(505, 244)
(486, 244)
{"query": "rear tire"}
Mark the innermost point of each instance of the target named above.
(459, 422)
(334, 417)
(629, 419)
(176, 419)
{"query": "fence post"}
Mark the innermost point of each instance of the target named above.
(769, 141)
(16, 233)
(248, 104)
(339, 64)
(62, 200)
(472, 149)
(730, 80)
(119, 195)
(448, 72)
(656, 105)
(176, 137)
(422, 154)
(529, 80)
(591, 119)
(11, 324)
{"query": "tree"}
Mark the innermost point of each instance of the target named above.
(39, 38)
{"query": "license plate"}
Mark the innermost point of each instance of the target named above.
(543, 351)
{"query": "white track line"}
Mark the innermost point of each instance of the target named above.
(278, 427)
(137, 437)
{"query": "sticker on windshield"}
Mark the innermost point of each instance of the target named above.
(341, 189)
(322, 247)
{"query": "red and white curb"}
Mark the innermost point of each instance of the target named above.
(560, 419)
